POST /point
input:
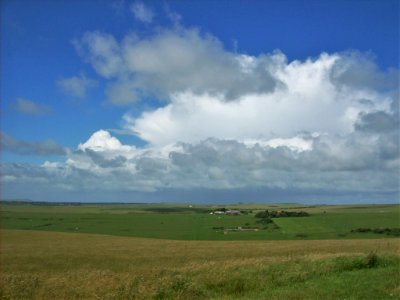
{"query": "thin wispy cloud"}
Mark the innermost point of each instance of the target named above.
(76, 86)
(142, 12)
(29, 107)
(41, 148)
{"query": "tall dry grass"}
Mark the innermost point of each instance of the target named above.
(49, 265)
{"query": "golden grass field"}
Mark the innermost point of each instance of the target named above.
(53, 265)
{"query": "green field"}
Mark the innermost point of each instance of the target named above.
(181, 222)
(166, 251)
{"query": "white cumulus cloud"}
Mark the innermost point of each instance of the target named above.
(303, 103)
(228, 120)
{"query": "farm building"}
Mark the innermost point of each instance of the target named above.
(233, 212)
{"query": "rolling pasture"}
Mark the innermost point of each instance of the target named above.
(174, 252)
(181, 222)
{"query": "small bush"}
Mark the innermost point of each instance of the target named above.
(45, 225)
(371, 260)
(361, 229)
(394, 231)
(264, 221)
(301, 235)
(281, 214)
(262, 214)
(356, 263)
(388, 231)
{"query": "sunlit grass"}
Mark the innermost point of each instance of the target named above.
(49, 265)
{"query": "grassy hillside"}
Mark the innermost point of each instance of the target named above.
(50, 265)
(182, 222)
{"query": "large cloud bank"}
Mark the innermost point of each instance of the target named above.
(229, 120)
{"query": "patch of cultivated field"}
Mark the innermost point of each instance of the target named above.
(181, 222)
(54, 265)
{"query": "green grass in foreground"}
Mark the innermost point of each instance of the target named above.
(336, 278)
(194, 223)
(50, 265)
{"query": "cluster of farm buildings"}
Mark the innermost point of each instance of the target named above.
(229, 212)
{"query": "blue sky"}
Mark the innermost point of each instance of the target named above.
(148, 95)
